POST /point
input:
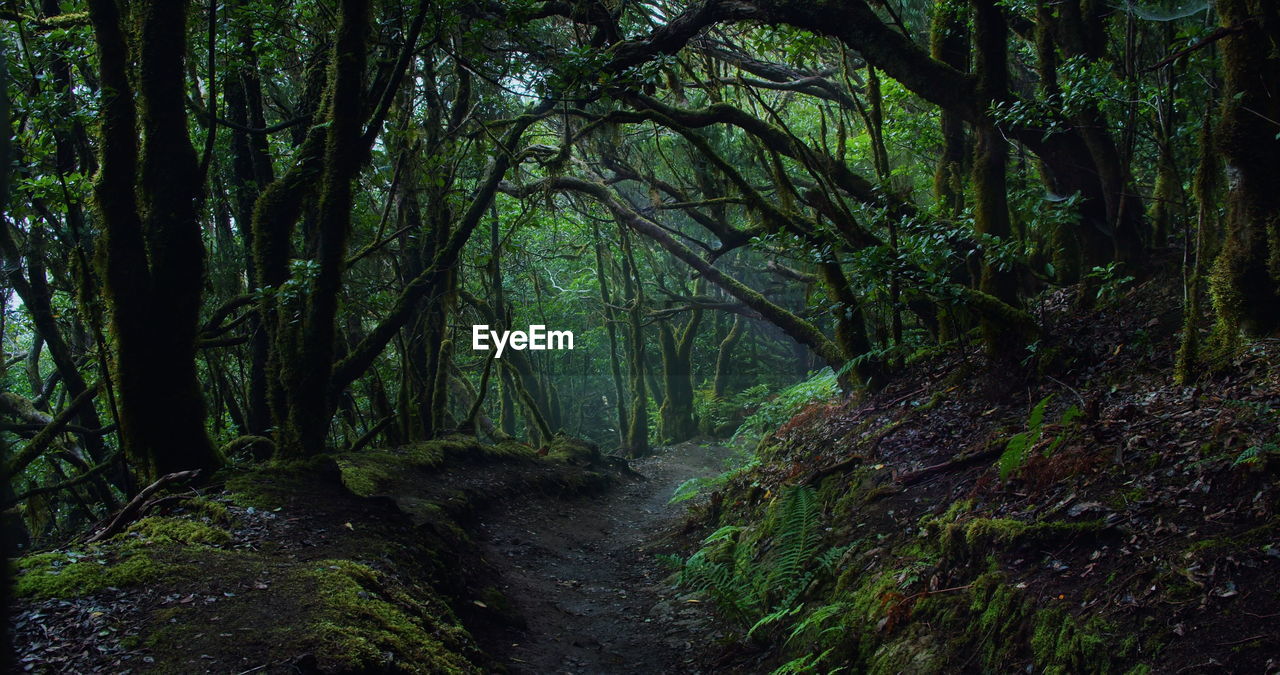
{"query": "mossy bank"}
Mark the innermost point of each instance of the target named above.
(342, 564)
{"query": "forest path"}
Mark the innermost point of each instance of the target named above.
(583, 575)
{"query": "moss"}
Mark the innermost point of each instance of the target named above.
(208, 510)
(982, 535)
(178, 531)
(912, 653)
(278, 483)
(956, 509)
(364, 624)
(573, 451)
(1123, 499)
(1252, 538)
(511, 449)
(69, 574)
(1000, 612)
(369, 473)
(1061, 644)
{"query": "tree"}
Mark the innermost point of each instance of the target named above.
(148, 194)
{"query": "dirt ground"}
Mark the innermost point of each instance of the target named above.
(583, 574)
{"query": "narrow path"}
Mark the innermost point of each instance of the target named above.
(582, 573)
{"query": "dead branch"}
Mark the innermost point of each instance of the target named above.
(134, 508)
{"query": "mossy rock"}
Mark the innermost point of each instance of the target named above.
(573, 451)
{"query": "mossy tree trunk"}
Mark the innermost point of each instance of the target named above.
(637, 443)
(1246, 277)
(990, 159)
(949, 44)
(251, 172)
(724, 358)
(610, 316)
(676, 415)
(148, 194)
(306, 339)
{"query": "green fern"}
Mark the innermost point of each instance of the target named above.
(1020, 444)
(797, 540)
(758, 576)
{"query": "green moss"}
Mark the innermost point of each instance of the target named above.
(573, 451)
(1124, 498)
(207, 509)
(69, 574)
(1248, 539)
(935, 524)
(982, 535)
(1000, 612)
(511, 449)
(278, 483)
(365, 625)
(1060, 644)
(178, 531)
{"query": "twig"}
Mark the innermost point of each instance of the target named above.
(1207, 40)
(913, 596)
(1083, 405)
(69, 483)
(1240, 642)
(957, 463)
(131, 510)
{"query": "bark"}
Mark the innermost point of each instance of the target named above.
(147, 195)
(637, 443)
(610, 324)
(308, 345)
(949, 44)
(1246, 277)
(990, 201)
(720, 381)
(677, 421)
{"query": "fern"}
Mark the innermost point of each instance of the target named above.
(821, 386)
(758, 585)
(797, 538)
(1020, 444)
(805, 664)
(735, 466)
(1255, 454)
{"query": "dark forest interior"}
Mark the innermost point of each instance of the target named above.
(640, 336)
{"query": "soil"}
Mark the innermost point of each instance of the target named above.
(584, 576)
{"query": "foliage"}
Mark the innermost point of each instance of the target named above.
(1110, 279)
(757, 576)
(782, 406)
(740, 463)
(1019, 446)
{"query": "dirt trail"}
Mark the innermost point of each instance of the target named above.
(582, 573)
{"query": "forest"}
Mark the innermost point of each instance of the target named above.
(640, 336)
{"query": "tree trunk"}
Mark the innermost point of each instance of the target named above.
(147, 195)
(677, 421)
(1246, 277)
(990, 158)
